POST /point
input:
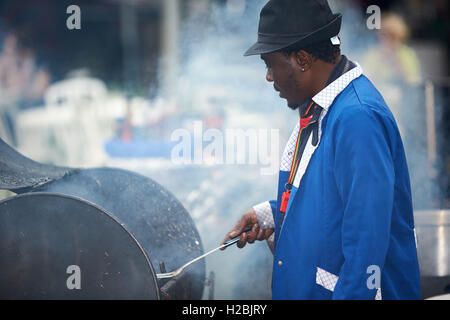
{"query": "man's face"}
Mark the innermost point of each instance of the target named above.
(285, 73)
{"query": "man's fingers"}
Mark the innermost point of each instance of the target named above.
(234, 232)
(227, 237)
(261, 235)
(253, 233)
(247, 220)
(238, 228)
(242, 240)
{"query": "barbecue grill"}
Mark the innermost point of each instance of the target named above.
(117, 227)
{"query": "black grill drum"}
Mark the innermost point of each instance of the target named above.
(55, 246)
(152, 214)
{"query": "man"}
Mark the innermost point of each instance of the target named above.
(343, 219)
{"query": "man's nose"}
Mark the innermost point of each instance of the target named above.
(269, 75)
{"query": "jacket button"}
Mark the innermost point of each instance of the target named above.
(280, 262)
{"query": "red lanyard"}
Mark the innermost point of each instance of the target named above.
(295, 161)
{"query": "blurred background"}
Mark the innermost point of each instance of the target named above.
(112, 93)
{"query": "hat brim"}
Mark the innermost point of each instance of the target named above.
(326, 32)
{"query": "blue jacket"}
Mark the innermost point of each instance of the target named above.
(350, 210)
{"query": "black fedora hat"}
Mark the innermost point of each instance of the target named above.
(288, 23)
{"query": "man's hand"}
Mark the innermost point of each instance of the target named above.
(248, 220)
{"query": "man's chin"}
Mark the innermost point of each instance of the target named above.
(292, 106)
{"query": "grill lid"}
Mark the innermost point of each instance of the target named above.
(21, 174)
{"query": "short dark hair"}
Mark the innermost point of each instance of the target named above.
(323, 50)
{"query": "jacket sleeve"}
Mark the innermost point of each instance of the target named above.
(265, 213)
(364, 175)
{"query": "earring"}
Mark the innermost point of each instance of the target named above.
(303, 69)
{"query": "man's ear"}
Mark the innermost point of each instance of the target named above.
(303, 60)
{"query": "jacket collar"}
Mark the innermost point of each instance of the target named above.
(326, 97)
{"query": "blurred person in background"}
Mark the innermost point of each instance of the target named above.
(395, 69)
(22, 82)
(393, 66)
(11, 81)
(392, 61)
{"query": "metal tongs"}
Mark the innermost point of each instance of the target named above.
(179, 270)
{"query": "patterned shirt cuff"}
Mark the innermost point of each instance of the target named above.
(264, 215)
